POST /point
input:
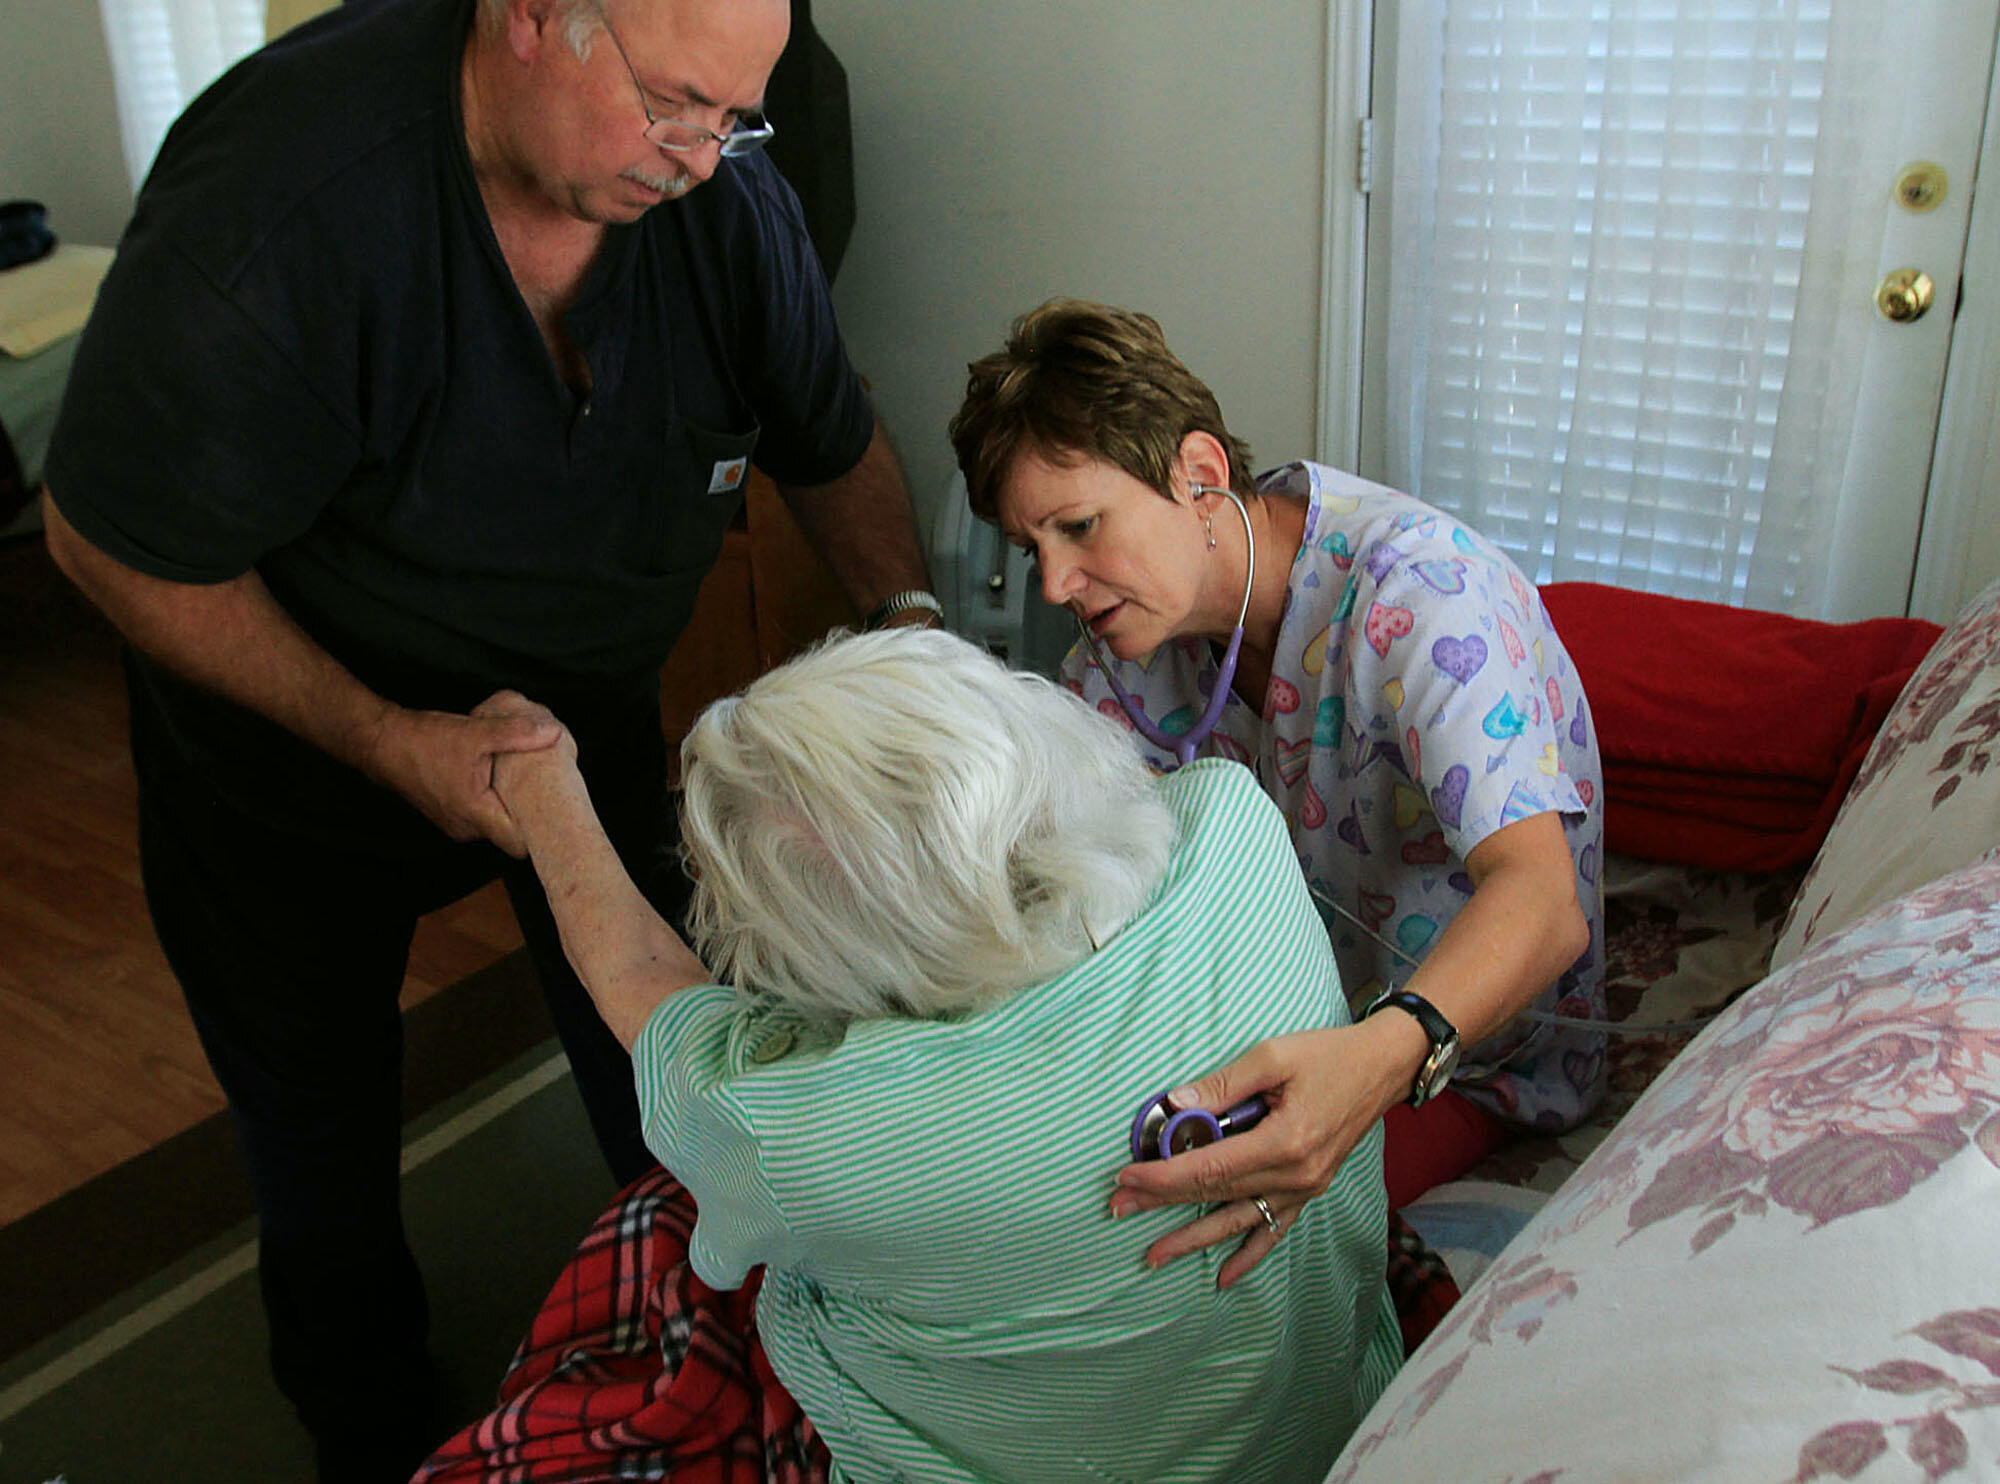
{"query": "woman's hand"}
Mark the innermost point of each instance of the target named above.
(546, 746)
(1519, 931)
(628, 958)
(1326, 1089)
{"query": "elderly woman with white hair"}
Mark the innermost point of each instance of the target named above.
(950, 932)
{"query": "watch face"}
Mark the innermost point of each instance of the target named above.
(1437, 1069)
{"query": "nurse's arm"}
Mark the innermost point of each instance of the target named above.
(235, 639)
(1519, 931)
(627, 956)
(1515, 936)
(863, 525)
(1521, 928)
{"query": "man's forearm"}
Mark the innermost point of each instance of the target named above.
(863, 525)
(235, 639)
(232, 638)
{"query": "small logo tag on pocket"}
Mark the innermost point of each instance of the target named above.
(727, 475)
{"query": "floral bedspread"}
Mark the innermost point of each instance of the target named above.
(1781, 1266)
(1680, 945)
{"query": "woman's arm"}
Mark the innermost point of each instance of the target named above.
(628, 958)
(1517, 933)
(1520, 929)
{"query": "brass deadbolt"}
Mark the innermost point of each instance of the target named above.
(1905, 295)
(1921, 187)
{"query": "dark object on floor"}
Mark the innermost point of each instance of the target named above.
(24, 233)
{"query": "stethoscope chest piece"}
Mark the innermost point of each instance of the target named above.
(1160, 1131)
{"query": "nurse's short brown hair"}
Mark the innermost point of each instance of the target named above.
(1079, 381)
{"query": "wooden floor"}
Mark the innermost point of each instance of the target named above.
(98, 1060)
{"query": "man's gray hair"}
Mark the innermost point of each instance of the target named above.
(581, 20)
(897, 824)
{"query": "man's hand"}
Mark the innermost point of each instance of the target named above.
(234, 639)
(444, 764)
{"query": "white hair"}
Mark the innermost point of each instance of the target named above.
(897, 824)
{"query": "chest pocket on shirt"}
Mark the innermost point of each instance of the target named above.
(700, 488)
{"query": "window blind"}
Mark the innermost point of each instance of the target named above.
(1599, 322)
(164, 52)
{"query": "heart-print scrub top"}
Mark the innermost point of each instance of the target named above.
(1419, 700)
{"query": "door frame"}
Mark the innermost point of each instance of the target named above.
(1346, 164)
(1958, 551)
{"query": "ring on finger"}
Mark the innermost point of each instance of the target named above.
(1264, 1210)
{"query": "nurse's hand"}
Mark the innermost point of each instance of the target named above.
(1326, 1089)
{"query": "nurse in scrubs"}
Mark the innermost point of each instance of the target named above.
(1398, 689)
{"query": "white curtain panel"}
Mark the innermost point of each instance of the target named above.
(1619, 230)
(163, 52)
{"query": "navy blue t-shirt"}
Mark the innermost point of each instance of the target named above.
(310, 359)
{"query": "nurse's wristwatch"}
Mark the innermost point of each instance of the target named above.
(1436, 1071)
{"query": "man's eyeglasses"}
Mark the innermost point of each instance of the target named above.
(748, 134)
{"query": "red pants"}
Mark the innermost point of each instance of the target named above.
(1438, 1142)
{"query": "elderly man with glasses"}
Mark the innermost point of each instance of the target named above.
(425, 370)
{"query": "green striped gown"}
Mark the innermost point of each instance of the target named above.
(945, 1294)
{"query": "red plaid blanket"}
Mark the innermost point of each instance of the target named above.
(636, 1369)
(1419, 1282)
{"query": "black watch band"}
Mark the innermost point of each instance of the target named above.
(1435, 1074)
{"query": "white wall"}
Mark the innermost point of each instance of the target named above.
(1159, 154)
(59, 141)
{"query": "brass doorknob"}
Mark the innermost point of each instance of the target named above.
(1905, 294)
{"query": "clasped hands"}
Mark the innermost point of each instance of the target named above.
(447, 765)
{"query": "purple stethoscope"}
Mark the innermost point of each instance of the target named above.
(1184, 746)
(1160, 1131)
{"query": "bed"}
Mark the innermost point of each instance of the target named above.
(43, 305)
(1681, 944)
(1772, 1255)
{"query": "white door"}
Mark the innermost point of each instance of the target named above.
(1653, 427)
(1947, 76)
